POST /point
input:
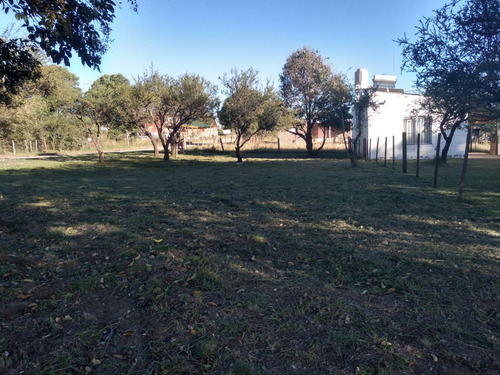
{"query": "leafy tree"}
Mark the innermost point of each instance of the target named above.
(104, 108)
(249, 109)
(59, 89)
(174, 102)
(44, 109)
(317, 95)
(139, 115)
(362, 102)
(57, 28)
(150, 94)
(451, 113)
(24, 121)
(455, 58)
(18, 65)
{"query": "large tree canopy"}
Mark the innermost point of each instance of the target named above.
(58, 28)
(105, 107)
(45, 110)
(459, 44)
(317, 95)
(17, 65)
(456, 58)
(172, 103)
(250, 108)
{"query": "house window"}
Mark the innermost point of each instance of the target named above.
(418, 125)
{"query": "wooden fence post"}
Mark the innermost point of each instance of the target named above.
(418, 154)
(436, 162)
(26, 146)
(376, 151)
(405, 155)
(393, 153)
(279, 147)
(385, 152)
(221, 143)
(496, 137)
(464, 166)
(370, 150)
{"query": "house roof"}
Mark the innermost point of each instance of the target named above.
(199, 125)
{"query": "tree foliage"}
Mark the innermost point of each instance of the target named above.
(317, 95)
(44, 109)
(58, 28)
(105, 107)
(250, 108)
(363, 102)
(18, 65)
(61, 27)
(175, 102)
(456, 58)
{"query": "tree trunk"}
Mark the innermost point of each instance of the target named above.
(166, 148)
(309, 145)
(153, 142)
(447, 141)
(238, 154)
(444, 152)
(166, 154)
(175, 148)
(156, 152)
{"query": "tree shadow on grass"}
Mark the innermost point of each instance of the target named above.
(152, 265)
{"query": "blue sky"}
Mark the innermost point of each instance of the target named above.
(209, 37)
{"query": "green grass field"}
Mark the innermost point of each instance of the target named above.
(282, 265)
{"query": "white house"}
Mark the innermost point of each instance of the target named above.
(398, 112)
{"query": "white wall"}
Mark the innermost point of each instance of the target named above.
(388, 121)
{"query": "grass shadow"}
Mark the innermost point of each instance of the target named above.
(199, 264)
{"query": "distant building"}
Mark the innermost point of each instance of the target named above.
(200, 129)
(193, 130)
(318, 132)
(398, 112)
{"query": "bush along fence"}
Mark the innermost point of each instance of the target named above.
(32, 146)
(365, 152)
